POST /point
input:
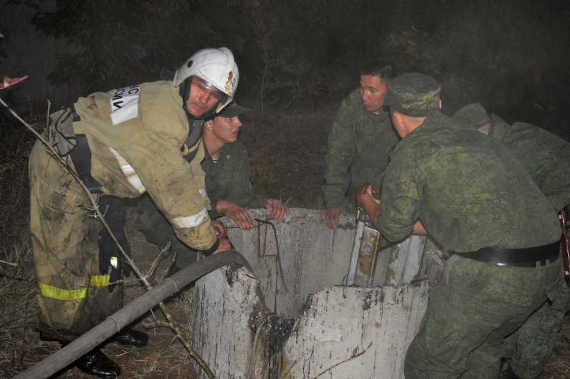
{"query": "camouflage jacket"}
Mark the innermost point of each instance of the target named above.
(359, 145)
(545, 156)
(229, 179)
(467, 190)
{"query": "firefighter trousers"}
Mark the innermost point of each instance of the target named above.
(74, 292)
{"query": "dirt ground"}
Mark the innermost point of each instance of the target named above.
(287, 152)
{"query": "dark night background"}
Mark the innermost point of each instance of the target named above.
(297, 60)
(510, 55)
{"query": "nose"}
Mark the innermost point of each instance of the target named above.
(204, 96)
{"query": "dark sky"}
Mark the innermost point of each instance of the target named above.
(27, 52)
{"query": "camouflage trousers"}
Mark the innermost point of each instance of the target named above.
(74, 293)
(470, 313)
(532, 345)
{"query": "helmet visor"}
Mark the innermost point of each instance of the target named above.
(209, 87)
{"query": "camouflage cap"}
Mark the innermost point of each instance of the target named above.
(413, 94)
(232, 110)
(472, 115)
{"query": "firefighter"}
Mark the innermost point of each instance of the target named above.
(145, 138)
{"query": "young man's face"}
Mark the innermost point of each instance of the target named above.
(202, 97)
(226, 129)
(372, 92)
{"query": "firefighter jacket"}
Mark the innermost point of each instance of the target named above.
(138, 140)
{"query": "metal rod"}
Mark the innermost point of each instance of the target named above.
(353, 264)
(375, 250)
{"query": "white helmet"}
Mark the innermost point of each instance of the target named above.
(216, 66)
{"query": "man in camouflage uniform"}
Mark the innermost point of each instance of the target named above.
(359, 142)
(547, 159)
(474, 199)
(122, 143)
(545, 156)
(228, 177)
(228, 184)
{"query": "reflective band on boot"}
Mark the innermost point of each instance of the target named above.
(68, 295)
(100, 280)
(61, 294)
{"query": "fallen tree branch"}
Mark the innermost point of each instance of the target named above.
(9, 263)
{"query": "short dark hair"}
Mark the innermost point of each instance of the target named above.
(376, 68)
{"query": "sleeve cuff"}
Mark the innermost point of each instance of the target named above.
(209, 251)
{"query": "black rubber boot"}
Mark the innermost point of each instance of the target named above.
(130, 337)
(98, 364)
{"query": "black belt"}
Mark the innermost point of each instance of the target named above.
(529, 257)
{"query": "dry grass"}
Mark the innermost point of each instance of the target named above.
(19, 308)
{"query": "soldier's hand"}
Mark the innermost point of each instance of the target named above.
(225, 245)
(332, 216)
(365, 198)
(235, 213)
(219, 228)
(9, 82)
(276, 209)
(369, 190)
(419, 228)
